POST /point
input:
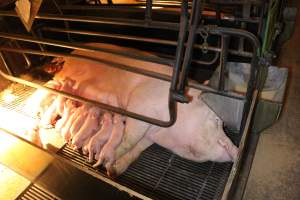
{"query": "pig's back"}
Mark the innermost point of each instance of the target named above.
(110, 79)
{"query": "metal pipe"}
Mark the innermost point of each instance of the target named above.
(142, 39)
(254, 62)
(148, 12)
(191, 84)
(194, 21)
(85, 48)
(102, 20)
(199, 62)
(180, 45)
(223, 63)
(27, 60)
(5, 64)
(61, 13)
(111, 35)
(121, 111)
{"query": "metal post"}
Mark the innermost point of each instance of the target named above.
(194, 22)
(223, 62)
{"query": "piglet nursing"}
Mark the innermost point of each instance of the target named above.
(116, 141)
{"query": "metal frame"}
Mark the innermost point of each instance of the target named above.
(180, 64)
(188, 29)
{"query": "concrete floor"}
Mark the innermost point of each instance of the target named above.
(275, 172)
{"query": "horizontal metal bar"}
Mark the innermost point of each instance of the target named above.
(143, 39)
(85, 48)
(120, 7)
(191, 84)
(141, 8)
(102, 20)
(111, 35)
(92, 102)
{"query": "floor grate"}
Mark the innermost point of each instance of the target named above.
(160, 174)
(33, 192)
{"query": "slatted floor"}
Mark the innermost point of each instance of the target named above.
(34, 192)
(160, 174)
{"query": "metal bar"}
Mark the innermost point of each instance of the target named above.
(199, 62)
(85, 48)
(5, 64)
(123, 67)
(102, 20)
(121, 111)
(61, 13)
(254, 63)
(237, 164)
(225, 17)
(35, 36)
(148, 12)
(194, 21)
(142, 39)
(27, 60)
(225, 44)
(111, 35)
(180, 44)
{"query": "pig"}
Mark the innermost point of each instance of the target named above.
(197, 135)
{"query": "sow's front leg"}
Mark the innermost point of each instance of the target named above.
(123, 163)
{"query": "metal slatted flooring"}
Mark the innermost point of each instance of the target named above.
(34, 192)
(160, 174)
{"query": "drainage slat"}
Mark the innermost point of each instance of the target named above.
(32, 192)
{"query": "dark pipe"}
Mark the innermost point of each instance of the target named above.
(223, 63)
(148, 13)
(194, 21)
(180, 45)
(102, 20)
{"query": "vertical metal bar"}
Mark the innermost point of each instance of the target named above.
(223, 62)
(5, 64)
(65, 22)
(27, 60)
(250, 89)
(194, 21)
(180, 44)
(261, 18)
(41, 46)
(246, 14)
(148, 13)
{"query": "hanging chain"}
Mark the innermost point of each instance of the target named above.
(204, 35)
